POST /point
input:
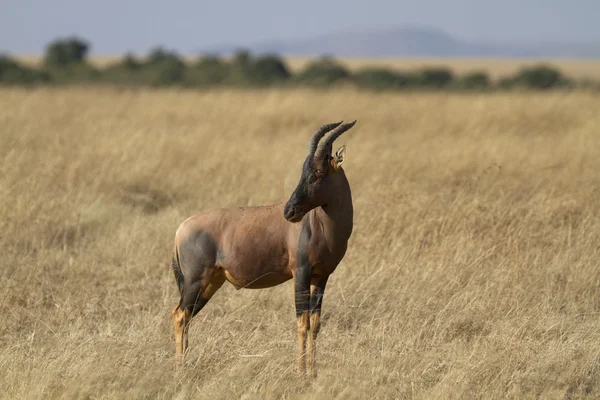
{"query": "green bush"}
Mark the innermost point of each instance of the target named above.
(241, 58)
(539, 77)
(268, 69)
(74, 73)
(473, 81)
(164, 68)
(239, 72)
(323, 72)
(13, 73)
(130, 63)
(438, 77)
(64, 52)
(379, 79)
(245, 70)
(65, 61)
(168, 73)
(207, 71)
(129, 70)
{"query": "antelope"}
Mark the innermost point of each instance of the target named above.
(263, 246)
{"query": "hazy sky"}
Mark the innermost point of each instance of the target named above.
(116, 26)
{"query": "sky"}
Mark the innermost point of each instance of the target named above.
(118, 26)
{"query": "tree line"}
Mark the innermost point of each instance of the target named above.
(66, 61)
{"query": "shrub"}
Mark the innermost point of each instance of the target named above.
(210, 70)
(323, 72)
(379, 79)
(239, 72)
(129, 70)
(164, 67)
(75, 73)
(246, 70)
(539, 77)
(64, 52)
(267, 70)
(65, 61)
(438, 77)
(13, 73)
(168, 73)
(130, 63)
(474, 81)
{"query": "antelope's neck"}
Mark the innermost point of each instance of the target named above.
(336, 217)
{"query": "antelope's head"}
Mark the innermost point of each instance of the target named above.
(321, 172)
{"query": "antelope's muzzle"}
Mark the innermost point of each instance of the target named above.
(292, 214)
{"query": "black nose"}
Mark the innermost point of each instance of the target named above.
(288, 211)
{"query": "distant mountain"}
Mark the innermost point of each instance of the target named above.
(415, 42)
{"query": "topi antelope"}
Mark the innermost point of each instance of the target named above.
(260, 247)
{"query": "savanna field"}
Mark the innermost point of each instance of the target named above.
(473, 270)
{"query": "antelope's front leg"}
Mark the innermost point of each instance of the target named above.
(317, 290)
(302, 290)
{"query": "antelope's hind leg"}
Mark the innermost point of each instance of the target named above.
(181, 320)
(191, 303)
(198, 279)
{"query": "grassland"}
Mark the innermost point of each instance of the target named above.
(473, 270)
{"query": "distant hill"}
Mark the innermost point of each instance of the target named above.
(412, 41)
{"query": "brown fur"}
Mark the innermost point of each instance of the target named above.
(257, 247)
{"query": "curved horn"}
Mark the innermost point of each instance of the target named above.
(324, 146)
(314, 141)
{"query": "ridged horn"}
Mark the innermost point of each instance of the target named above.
(324, 146)
(314, 141)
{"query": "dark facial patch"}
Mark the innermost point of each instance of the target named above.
(300, 202)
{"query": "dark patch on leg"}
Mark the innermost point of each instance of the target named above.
(196, 295)
(216, 281)
(302, 291)
(303, 270)
(317, 290)
(197, 252)
(316, 295)
(197, 259)
(197, 306)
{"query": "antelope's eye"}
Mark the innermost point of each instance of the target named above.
(313, 178)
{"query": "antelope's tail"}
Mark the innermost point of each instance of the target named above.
(177, 270)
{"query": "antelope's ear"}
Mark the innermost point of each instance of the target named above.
(339, 157)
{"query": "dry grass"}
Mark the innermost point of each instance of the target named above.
(462, 279)
(495, 67)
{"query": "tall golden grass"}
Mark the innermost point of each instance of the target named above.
(473, 270)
